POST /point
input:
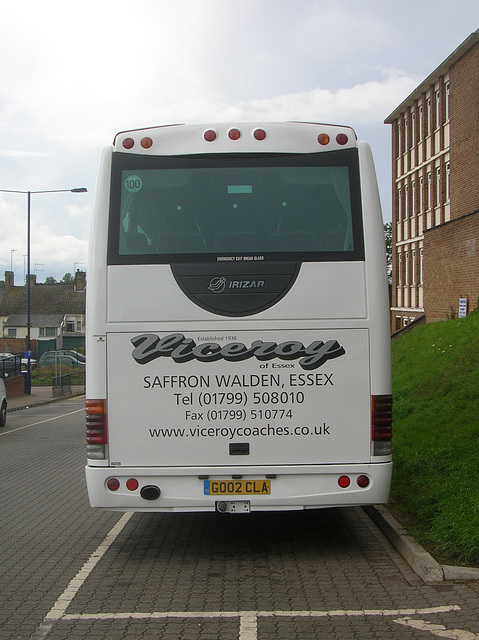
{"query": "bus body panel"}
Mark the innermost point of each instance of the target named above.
(164, 299)
(134, 306)
(311, 398)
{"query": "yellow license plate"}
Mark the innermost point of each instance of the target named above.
(237, 487)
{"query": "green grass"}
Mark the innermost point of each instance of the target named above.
(435, 488)
(43, 375)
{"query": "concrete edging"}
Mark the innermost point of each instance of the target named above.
(420, 561)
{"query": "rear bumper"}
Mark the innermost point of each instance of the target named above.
(292, 487)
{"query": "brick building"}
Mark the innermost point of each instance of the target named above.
(435, 199)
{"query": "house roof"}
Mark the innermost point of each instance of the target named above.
(36, 320)
(45, 300)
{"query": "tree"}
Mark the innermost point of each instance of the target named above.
(67, 279)
(50, 280)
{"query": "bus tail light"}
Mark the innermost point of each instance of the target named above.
(96, 430)
(381, 425)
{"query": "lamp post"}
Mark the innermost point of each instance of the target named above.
(28, 381)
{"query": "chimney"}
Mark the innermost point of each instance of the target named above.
(9, 281)
(33, 279)
(80, 280)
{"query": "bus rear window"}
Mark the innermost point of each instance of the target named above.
(186, 209)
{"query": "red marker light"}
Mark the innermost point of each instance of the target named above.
(210, 135)
(344, 482)
(341, 138)
(259, 134)
(323, 138)
(128, 143)
(234, 134)
(132, 484)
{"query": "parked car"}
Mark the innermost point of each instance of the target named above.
(3, 404)
(69, 352)
(50, 358)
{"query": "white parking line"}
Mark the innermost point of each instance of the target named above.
(34, 424)
(60, 606)
(248, 620)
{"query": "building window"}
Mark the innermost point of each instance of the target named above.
(413, 129)
(429, 117)
(429, 190)
(406, 268)
(70, 326)
(421, 194)
(399, 140)
(47, 332)
(421, 123)
(421, 256)
(405, 135)
(399, 203)
(447, 101)
(406, 201)
(400, 269)
(438, 186)
(448, 181)
(438, 109)
(413, 204)
(413, 266)
(11, 332)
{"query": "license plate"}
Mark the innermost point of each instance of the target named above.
(237, 487)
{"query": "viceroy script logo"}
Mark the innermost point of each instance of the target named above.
(150, 346)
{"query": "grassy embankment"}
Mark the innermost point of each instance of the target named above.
(435, 491)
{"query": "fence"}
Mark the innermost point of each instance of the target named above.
(68, 384)
(11, 367)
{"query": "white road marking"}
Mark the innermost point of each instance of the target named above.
(248, 620)
(61, 605)
(34, 424)
(438, 630)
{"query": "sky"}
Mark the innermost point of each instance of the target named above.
(73, 74)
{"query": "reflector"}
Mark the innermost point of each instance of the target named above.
(341, 138)
(128, 143)
(363, 481)
(323, 138)
(146, 143)
(113, 484)
(259, 134)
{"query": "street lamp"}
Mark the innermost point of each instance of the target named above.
(28, 381)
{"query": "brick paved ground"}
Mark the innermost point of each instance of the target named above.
(332, 561)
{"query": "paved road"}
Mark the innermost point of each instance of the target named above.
(70, 572)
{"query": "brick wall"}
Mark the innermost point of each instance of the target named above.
(14, 387)
(464, 117)
(451, 267)
(17, 346)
